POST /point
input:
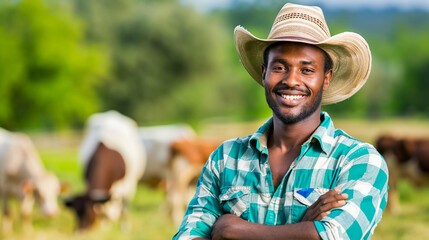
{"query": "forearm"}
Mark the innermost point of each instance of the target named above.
(242, 229)
(303, 230)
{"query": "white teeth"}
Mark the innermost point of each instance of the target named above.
(292, 97)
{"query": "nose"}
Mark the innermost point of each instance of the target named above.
(50, 210)
(292, 79)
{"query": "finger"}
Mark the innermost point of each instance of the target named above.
(329, 199)
(334, 201)
(322, 216)
(316, 208)
(324, 210)
(342, 196)
(335, 198)
(330, 193)
(331, 205)
(325, 198)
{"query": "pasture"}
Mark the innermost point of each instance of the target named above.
(149, 218)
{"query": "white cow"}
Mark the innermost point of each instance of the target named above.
(23, 176)
(157, 141)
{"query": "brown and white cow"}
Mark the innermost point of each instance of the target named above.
(406, 158)
(157, 142)
(23, 176)
(188, 159)
(114, 160)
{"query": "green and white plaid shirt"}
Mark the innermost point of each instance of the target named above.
(237, 179)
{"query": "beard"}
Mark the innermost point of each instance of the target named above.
(307, 110)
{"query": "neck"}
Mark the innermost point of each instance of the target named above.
(290, 136)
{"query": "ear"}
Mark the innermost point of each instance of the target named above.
(328, 77)
(263, 70)
(64, 188)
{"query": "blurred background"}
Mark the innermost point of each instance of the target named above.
(164, 62)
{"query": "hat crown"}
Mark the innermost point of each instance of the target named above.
(297, 21)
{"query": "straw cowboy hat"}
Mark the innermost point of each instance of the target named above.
(296, 23)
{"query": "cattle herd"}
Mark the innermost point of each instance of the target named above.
(406, 157)
(116, 155)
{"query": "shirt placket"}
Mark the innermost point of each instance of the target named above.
(285, 186)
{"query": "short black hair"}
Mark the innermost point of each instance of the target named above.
(328, 60)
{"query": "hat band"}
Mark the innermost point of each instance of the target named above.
(303, 16)
(295, 38)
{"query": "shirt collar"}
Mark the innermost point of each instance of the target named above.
(324, 135)
(259, 139)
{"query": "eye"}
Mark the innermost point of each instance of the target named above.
(279, 68)
(307, 70)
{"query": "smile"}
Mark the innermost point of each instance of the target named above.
(292, 97)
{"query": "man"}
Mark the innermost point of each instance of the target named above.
(297, 177)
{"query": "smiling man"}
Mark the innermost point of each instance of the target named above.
(297, 177)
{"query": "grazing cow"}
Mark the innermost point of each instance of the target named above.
(157, 141)
(405, 157)
(23, 176)
(114, 160)
(406, 151)
(188, 159)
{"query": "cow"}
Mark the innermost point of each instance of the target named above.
(406, 158)
(113, 159)
(157, 142)
(23, 176)
(188, 157)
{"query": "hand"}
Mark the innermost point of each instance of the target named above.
(326, 202)
(225, 225)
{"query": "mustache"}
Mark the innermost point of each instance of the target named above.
(288, 88)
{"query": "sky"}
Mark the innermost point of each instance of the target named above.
(405, 5)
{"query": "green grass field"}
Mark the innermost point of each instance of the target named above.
(148, 215)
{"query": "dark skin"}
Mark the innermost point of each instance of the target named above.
(294, 79)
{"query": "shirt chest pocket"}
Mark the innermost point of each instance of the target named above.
(236, 200)
(304, 198)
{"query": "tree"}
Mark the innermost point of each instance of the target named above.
(47, 70)
(409, 95)
(168, 61)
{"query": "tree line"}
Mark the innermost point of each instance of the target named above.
(159, 61)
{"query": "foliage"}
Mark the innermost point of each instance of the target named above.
(168, 60)
(163, 62)
(412, 51)
(47, 71)
(398, 81)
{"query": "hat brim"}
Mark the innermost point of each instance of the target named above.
(349, 52)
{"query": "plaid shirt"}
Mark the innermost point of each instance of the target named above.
(237, 179)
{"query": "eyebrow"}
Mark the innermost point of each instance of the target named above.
(285, 62)
(282, 61)
(307, 63)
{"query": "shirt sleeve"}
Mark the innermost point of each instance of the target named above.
(364, 179)
(204, 208)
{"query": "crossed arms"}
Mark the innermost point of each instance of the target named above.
(229, 226)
